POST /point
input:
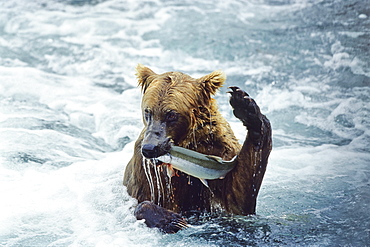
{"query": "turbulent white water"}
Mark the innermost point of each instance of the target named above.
(70, 112)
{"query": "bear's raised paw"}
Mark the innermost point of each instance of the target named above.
(247, 110)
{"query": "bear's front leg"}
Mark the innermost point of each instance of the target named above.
(247, 110)
(158, 217)
(252, 159)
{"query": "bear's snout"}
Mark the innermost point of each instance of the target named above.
(150, 151)
(156, 141)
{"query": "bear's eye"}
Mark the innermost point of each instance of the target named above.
(171, 116)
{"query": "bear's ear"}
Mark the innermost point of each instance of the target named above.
(213, 81)
(142, 74)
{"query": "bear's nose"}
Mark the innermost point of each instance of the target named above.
(150, 151)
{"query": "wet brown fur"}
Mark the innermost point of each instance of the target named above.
(203, 129)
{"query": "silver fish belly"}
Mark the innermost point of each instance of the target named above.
(198, 165)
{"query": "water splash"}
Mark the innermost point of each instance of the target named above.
(160, 189)
(154, 178)
(146, 166)
(306, 62)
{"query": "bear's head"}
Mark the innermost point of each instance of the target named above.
(173, 104)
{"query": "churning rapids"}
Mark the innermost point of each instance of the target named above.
(70, 112)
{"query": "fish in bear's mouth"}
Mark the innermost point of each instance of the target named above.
(195, 164)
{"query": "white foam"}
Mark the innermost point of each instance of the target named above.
(61, 183)
(274, 99)
(84, 203)
(342, 59)
(362, 16)
(352, 34)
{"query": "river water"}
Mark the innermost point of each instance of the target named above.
(70, 112)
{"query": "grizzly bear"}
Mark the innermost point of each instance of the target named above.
(179, 110)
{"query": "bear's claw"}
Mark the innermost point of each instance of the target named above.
(237, 89)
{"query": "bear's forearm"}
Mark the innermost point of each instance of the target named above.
(252, 162)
